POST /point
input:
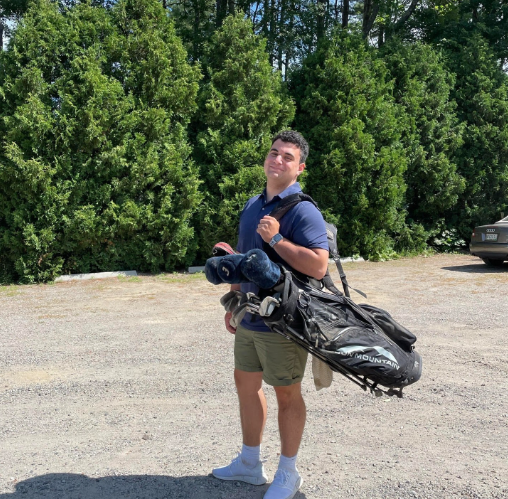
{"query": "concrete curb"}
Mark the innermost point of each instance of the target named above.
(349, 259)
(95, 275)
(195, 270)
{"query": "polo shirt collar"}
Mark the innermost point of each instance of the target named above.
(292, 189)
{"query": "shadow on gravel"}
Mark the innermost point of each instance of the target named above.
(72, 486)
(480, 268)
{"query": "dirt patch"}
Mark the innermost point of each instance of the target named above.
(122, 388)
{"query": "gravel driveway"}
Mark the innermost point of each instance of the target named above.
(122, 388)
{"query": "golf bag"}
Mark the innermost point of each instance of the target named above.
(361, 342)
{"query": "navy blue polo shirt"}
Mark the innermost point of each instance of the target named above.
(303, 225)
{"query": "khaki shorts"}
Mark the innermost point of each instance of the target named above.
(281, 361)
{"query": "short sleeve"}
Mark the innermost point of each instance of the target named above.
(308, 227)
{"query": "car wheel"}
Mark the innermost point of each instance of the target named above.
(492, 262)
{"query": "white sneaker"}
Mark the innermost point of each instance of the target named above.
(237, 470)
(285, 485)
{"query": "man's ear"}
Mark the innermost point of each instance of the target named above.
(301, 167)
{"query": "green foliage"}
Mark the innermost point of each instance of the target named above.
(411, 239)
(94, 160)
(441, 21)
(195, 23)
(357, 161)
(96, 101)
(242, 103)
(430, 131)
(448, 241)
(481, 93)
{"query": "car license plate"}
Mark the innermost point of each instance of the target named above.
(491, 237)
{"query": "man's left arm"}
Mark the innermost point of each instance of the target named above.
(310, 261)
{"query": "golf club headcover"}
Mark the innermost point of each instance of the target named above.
(223, 249)
(259, 269)
(229, 270)
(211, 270)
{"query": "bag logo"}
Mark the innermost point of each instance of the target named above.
(355, 351)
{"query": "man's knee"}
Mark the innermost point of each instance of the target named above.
(289, 395)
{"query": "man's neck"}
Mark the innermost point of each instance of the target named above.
(274, 190)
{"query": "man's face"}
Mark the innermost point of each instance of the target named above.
(282, 165)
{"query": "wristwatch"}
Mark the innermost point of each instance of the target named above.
(275, 240)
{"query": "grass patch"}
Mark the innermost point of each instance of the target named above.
(10, 290)
(129, 278)
(177, 277)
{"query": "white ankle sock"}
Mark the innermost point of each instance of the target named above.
(250, 455)
(288, 463)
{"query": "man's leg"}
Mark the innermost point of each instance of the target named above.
(284, 366)
(252, 406)
(247, 466)
(292, 415)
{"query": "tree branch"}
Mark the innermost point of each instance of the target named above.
(406, 15)
(370, 22)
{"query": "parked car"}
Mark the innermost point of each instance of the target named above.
(490, 242)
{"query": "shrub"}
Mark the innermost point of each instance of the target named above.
(94, 160)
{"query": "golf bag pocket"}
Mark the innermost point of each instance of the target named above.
(395, 331)
(370, 354)
(345, 335)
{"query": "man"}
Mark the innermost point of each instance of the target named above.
(299, 241)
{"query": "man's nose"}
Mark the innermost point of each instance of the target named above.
(278, 159)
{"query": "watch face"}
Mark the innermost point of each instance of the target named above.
(275, 240)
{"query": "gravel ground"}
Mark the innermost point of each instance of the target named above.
(123, 388)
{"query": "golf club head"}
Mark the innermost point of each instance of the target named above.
(259, 269)
(211, 270)
(223, 249)
(229, 270)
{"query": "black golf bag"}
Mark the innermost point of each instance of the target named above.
(361, 342)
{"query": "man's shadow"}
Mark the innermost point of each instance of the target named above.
(73, 486)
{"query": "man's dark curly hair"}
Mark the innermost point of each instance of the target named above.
(293, 137)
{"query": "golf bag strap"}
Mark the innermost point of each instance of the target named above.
(330, 285)
(284, 205)
(331, 234)
(342, 274)
(281, 209)
(343, 279)
(289, 202)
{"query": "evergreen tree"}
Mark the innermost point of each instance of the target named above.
(242, 104)
(291, 28)
(94, 162)
(430, 133)
(481, 92)
(357, 161)
(440, 21)
(195, 22)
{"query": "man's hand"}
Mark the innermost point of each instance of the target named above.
(229, 327)
(267, 228)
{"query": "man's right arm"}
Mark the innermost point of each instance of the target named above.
(227, 317)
